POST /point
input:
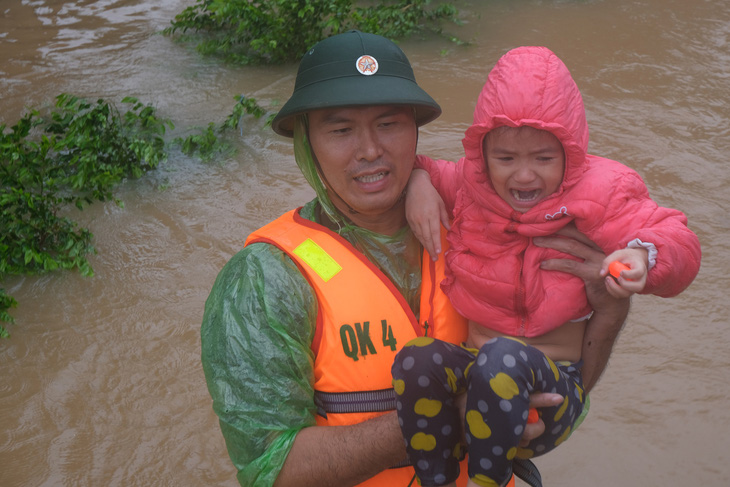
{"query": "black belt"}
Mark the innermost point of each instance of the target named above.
(354, 402)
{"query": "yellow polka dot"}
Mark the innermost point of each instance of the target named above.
(422, 441)
(477, 427)
(484, 481)
(517, 340)
(420, 342)
(457, 451)
(524, 453)
(554, 368)
(511, 453)
(563, 437)
(561, 410)
(451, 378)
(427, 407)
(473, 351)
(504, 386)
(399, 386)
(468, 368)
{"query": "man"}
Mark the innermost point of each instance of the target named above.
(302, 325)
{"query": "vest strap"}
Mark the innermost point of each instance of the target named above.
(527, 471)
(354, 402)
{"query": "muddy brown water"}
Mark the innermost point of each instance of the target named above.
(101, 383)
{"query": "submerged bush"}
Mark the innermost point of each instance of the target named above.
(207, 143)
(75, 155)
(277, 31)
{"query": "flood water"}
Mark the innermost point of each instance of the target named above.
(101, 383)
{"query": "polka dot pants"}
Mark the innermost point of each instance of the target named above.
(498, 379)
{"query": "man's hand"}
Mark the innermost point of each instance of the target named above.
(609, 313)
(539, 400)
(589, 269)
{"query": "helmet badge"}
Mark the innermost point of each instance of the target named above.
(366, 65)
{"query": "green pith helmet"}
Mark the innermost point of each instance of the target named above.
(354, 69)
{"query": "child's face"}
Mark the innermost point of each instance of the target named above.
(525, 164)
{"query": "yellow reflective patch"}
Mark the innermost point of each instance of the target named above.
(320, 261)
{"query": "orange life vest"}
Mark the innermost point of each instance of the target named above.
(362, 323)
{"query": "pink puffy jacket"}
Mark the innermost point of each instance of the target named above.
(494, 275)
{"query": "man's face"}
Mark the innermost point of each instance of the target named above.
(525, 165)
(366, 155)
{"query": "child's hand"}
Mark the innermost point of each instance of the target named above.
(425, 210)
(631, 280)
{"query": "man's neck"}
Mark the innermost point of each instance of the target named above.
(383, 226)
(388, 223)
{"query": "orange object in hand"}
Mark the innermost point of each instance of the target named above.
(532, 416)
(615, 268)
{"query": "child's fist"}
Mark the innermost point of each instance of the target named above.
(626, 271)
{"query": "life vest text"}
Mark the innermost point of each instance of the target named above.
(357, 341)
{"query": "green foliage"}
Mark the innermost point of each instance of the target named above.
(245, 106)
(205, 144)
(6, 302)
(277, 31)
(208, 143)
(72, 157)
(404, 18)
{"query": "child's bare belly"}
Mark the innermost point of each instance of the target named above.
(562, 343)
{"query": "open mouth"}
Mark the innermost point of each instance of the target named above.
(371, 178)
(525, 196)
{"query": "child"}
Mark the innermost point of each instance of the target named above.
(525, 174)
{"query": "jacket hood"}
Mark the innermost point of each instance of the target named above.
(529, 86)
